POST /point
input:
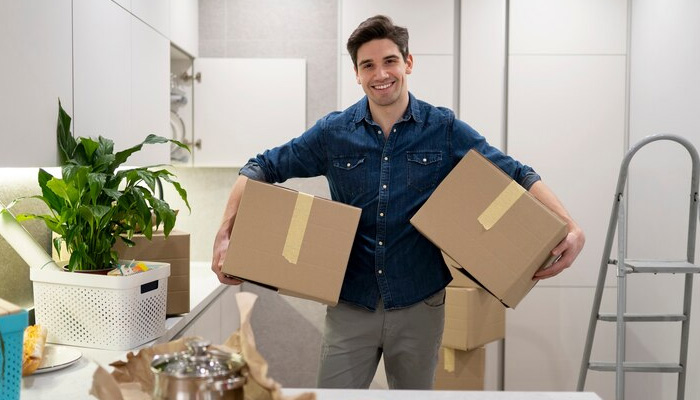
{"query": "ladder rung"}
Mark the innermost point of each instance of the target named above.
(630, 366)
(643, 317)
(662, 267)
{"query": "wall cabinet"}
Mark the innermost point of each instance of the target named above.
(35, 42)
(121, 79)
(184, 25)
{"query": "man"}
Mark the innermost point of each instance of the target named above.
(386, 154)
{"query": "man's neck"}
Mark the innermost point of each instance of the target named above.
(386, 116)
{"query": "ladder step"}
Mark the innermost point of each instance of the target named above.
(662, 267)
(630, 366)
(608, 317)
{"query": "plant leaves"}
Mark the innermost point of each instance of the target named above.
(96, 181)
(90, 146)
(180, 190)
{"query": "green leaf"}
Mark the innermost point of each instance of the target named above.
(166, 214)
(59, 188)
(90, 146)
(96, 181)
(114, 194)
(182, 192)
(122, 156)
(147, 178)
(50, 198)
(66, 142)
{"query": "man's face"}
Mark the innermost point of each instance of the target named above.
(381, 70)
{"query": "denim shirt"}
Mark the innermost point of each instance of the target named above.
(389, 179)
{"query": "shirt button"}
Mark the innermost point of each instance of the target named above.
(386, 158)
(424, 160)
(381, 214)
(383, 186)
(348, 165)
(379, 272)
(379, 132)
(381, 243)
(394, 129)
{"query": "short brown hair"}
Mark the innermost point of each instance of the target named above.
(378, 27)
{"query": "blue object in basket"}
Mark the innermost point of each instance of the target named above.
(11, 341)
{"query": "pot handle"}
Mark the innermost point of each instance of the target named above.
(227, 384)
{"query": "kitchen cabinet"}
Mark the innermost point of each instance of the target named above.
(155, 13)
(243, 106)
(121, 69)
(35, 42)
(218, 320)
(184, 25)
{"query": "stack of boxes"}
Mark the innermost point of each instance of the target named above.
(473, 318)
(494, 236)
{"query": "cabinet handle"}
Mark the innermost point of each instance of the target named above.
(187, 77)
(198, 144)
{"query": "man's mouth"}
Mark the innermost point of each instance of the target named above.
(382, 86)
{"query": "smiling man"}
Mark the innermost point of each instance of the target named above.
(386, 154)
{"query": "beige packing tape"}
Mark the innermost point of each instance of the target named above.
(448, 359)
(500, 205)
(297, 227)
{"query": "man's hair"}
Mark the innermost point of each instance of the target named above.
(378, 27)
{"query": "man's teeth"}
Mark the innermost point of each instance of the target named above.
(380, 87)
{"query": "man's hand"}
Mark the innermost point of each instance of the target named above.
(219, 255)
(223, 236)
(567, 250)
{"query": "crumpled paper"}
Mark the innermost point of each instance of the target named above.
(133, 380)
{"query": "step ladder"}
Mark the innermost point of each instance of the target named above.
(625, 267)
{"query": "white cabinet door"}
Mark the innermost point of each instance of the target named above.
(121, 69)
(35, 41)
(245, 106)
(150, 88)
(102, 71)
(184, 25)
(155, 13)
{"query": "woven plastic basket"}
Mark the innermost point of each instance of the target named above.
(100, 311)
(11, 340)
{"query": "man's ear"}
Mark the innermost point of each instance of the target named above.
(357, 76)
(409, 63)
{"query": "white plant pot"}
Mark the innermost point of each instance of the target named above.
(101, 311)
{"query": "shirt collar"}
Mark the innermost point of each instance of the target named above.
(412, 111)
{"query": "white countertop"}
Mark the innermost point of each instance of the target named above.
(345, 394)
(74, 382)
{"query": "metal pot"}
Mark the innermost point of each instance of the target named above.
(199, 373)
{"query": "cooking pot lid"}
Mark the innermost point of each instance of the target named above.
(199, 360)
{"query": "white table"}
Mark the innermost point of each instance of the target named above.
(345, 394)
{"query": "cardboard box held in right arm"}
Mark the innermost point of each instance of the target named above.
(496, 231)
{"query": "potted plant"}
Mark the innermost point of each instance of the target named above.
(93, 204)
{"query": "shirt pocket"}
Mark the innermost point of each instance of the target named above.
(351, 173)
(423, 169)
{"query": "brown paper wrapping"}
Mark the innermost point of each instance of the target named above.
(133, 380)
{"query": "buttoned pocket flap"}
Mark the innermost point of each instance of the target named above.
(425, 158)
(349, 162)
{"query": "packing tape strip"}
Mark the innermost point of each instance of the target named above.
(297, 227)
(500, 205)
(448, 359)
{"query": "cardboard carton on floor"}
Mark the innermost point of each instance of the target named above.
(496, 231)
(460, 370)
(175, 250)
(473, 318)
(294, 242)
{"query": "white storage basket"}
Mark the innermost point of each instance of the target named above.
(101, 311)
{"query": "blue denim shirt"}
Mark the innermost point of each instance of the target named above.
(389, 179)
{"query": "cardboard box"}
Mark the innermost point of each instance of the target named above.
(174, 250)
(496, 231)
(473, 318)
(460, 370)
(458, 279)
(293, 242)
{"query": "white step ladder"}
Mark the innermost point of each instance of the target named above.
(625, 267)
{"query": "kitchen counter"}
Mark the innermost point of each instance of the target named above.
(74, 382)
(345, 394)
